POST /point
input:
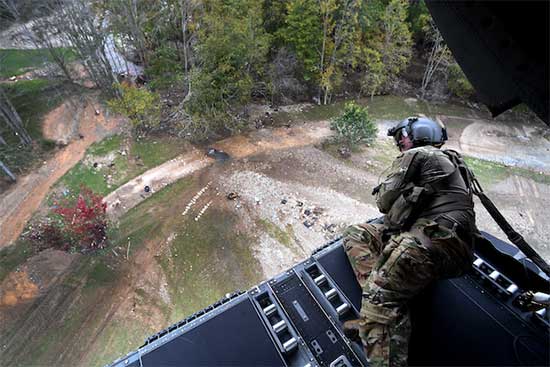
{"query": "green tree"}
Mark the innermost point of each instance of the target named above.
(397, 46)
(303, 33)
(232, 53)
(375, 76)
(418, 18)
(458, 83)
(140, 105)
(354, 126)
(340, 22)
(382, 42)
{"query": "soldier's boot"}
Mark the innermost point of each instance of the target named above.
(351, 330)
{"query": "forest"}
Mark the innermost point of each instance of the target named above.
(190, 68)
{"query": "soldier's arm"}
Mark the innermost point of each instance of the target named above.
(398, 180)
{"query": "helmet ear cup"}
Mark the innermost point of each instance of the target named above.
(423, 135)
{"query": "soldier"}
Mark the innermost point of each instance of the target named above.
(427, 234)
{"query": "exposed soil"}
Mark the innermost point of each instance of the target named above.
(64, 124)
(291, 194)
(274, 165)
(17, 288)
(522, 145)
(133, 192)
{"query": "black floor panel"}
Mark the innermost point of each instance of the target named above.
(235, 337)
(336, 263)
(313, 325)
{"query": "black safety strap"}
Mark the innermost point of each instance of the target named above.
(512, 235)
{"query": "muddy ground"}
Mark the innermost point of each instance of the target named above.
(187, 244)
(74, 126)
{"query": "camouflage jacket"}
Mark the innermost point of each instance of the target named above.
(423, 182)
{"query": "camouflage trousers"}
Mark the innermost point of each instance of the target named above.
(393, 269)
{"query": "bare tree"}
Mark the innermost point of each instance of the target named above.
(187, 8)
(9, 114)
(41, 31)
(78, 22)
(438, 57)
(285, 85)
(127, 21)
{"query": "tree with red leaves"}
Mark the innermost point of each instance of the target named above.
(84, 221)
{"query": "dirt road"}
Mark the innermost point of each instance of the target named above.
(62, 124)
(238, 147)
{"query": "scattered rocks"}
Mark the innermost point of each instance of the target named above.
(202, 211)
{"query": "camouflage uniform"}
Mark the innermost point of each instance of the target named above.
(394, 261)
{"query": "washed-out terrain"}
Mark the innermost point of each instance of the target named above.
(186, 243)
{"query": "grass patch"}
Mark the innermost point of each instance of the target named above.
(275, 232)
(32, 99)
(489, 173)
(81, 174)
(153, 152)
(380, 108)
(384, 152)
(143, 155)
(208, 259)
(17, 62)
(118, 336)
(106, 146)
(101, 274)
(13, 256)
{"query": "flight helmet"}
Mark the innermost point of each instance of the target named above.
(421, 131)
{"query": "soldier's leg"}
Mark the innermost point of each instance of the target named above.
(403, 269)
(363, 244)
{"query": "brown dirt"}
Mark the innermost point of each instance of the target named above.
(22, 200)
(512, 143)
(238, 147)
(17, 288)
(59, 124)
(268, 166)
